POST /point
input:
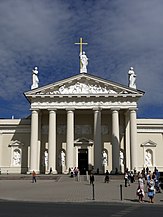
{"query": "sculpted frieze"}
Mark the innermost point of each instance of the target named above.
(81, 88)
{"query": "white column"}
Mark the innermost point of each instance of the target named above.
(39, 140)
(76, 155)
(127, 141)
(97, 141)
(133, 138)
(34, 142)
(90, 163)
(70, 140)
(1, 149)
(52, 142)
(115, 140)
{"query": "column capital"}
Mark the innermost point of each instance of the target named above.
(32, 109)
(115, 108)
(70, 109)
(133, 109)
(97, 109)
(52, 109)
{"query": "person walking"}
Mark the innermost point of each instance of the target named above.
(107, 176)
(33, 176)
(140, 190)
(151, 190)
(126, 178)
(92, 179)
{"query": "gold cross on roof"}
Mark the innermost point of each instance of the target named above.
(81, 43)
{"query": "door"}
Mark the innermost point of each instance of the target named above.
(83, 161)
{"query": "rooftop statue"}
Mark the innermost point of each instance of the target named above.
(84, 62)
(132, 78)
(83, 57)
(35, 79)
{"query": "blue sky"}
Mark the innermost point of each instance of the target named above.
(42, 33)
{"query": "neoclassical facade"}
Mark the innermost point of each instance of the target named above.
(83, 121)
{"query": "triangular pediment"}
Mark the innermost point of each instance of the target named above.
(15, 143)
(148, 143)
(83, 84)
(83, 140)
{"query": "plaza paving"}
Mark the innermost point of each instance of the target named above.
(62, 188)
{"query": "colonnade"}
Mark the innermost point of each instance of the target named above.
(34, 149)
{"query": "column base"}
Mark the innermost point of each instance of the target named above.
(66, 171)
(30, 172)
(54, 172)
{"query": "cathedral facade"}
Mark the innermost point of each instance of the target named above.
(83, 121)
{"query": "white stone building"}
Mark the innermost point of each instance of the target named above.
(83, 121)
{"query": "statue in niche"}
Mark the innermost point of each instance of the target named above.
(17, 158)
(104, 158)
(46, 158)
(148, 158)
(121, 158)
(35, 78)
(132, 78)
(84, 62)
(63, 158)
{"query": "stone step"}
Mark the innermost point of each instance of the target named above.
(29, 177)
(57, 177)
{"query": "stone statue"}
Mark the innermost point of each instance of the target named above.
(132, 78)
(35, 78)
(62, 158)
(16, 158)
(104, 158)
(46, 158)
(148, 159)
(84, 62)
(121, 158)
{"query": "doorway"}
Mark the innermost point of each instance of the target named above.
(83, 161)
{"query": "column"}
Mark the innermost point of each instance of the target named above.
(52, 142)
(133, 138)
(127, 141)
(115, 140)
(70, 140)
(90, 163)
(39, 141)
(1, 150)
(34, 142)
(97, 141)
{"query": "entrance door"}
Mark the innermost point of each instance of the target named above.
(83, 161)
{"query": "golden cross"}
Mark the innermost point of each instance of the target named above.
(81, 43)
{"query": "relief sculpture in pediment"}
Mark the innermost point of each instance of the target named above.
(81, 88)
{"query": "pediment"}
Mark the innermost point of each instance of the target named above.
(83, 140)
(148, 143)
(15, 143)
(83, 84)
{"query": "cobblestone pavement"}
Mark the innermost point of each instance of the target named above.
(66, 189)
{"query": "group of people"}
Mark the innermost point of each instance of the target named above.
(74, 172)
(151, 181)
(129, 177)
